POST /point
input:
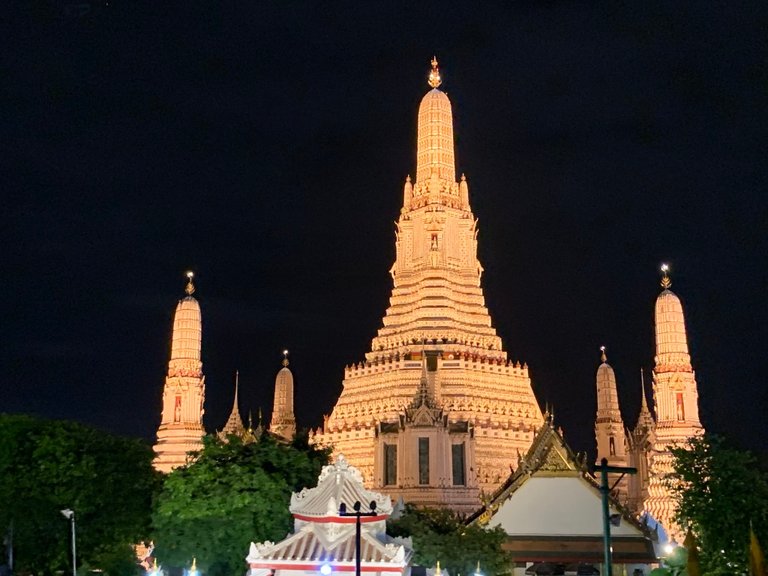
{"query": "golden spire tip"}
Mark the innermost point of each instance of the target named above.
(666, 281)
(603, 357)
(434, 74)
(285, 357)
(190, 289)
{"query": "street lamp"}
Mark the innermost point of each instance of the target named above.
(605, 491)
(357, 514)
(70, 515)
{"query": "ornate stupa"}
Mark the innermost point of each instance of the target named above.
(283, 422)
(676, 400)
(436, 318)
(181, 424)
(609, 426)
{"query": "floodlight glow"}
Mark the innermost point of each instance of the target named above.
(326, 569)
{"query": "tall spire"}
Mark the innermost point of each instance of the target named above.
(644, 420)
(609, 427)
(435, 153)
(676, 399)
(671, 338)
(234, 423)
(283, 421)
(437, 309)
(181, 426)
(187, 333)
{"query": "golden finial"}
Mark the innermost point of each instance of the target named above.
(434, 74)
(194, 564)
(285, 358)
(437, 569)
(666, 282)
(190, 289)
(603, 357)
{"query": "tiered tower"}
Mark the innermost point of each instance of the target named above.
(640, 443)
(676, 400)
(181, 425)
(234, 425)
(609, 427)
(283, 421)
(437, 311)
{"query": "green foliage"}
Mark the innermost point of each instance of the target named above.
(720, 491)
(440, 534)
(233, 493)
(47, 466)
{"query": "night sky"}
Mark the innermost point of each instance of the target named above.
(264, 145)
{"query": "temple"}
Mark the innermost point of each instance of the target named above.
(437, 336)
(435, 413)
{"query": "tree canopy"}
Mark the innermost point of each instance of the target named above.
(721, 492)
(47, 466)
(441, 535)
(233, 493)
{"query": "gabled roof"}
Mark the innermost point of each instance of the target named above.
(309, 547)
(554, 495)
(338, 483)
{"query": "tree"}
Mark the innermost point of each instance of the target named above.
(47, 466)
(720, 491)
(441, 535)
(233, 493)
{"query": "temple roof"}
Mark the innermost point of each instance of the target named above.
(309, 546)
(554, 495)
(338, 483)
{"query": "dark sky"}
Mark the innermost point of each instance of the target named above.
(265, 144)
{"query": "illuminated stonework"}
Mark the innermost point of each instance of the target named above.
(609, 426)
(283, 421)
(437, 310)
(676, 401)
(181, 424)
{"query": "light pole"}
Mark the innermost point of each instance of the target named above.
(357, 514)
(70, 515)
(605, 490)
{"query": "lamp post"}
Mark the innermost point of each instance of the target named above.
(357, 514)
(70, 515)
(605, 491)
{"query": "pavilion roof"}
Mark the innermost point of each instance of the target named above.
(309, 548)
(338, 483)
